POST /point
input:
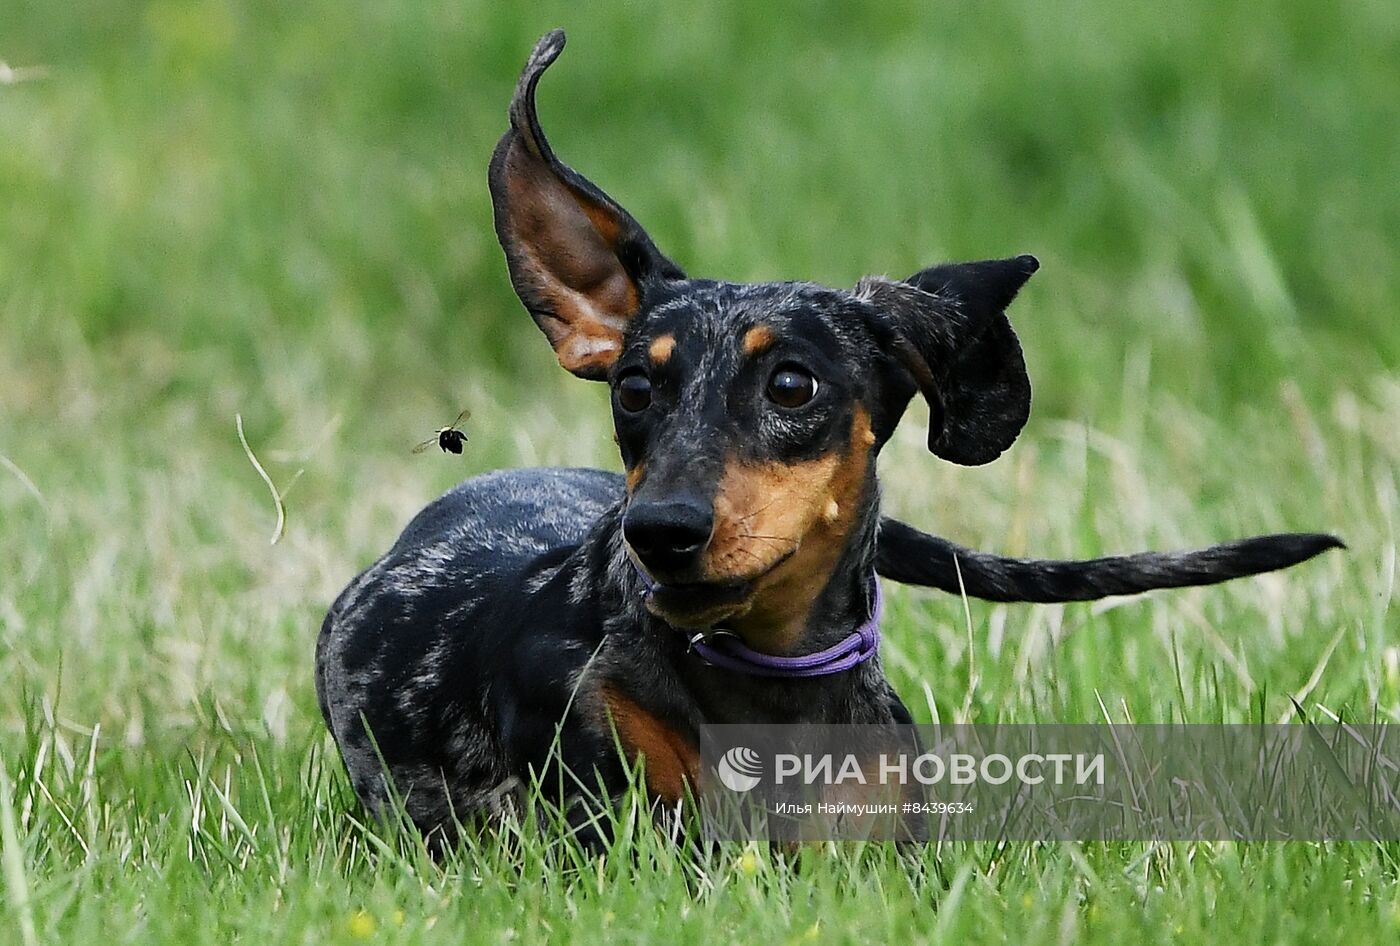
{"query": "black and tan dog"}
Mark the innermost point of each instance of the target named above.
(525, 607)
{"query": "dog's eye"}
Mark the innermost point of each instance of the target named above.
(634, 392)
(791, 386)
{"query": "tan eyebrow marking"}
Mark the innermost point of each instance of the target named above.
(758, 339)
(661, 348)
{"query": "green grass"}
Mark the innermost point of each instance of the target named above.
(280, 210)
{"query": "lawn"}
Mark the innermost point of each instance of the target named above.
(277, 210)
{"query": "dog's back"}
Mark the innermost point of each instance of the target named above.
(443, 602)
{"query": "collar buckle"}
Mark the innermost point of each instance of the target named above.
(707, 638)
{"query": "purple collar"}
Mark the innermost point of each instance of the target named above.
(725, 649)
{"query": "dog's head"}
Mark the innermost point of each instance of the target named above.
(748, 416)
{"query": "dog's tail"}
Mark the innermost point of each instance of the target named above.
(905, 554)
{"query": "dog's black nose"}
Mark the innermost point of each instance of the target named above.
(668, 536)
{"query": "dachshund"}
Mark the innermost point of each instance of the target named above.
(566, 625)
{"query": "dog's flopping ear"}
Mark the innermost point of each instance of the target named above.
(948, 327)
(578, 261)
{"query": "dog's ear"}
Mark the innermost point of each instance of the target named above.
(947, 326)
(578, 261)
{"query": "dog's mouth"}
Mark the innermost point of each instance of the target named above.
(698, 605)
(704, 604)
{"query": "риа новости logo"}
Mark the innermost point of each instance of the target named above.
(739, 769)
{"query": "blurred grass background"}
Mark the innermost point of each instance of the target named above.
(276, 209)
(1216, 182)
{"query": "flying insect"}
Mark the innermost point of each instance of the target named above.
(450, 439)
